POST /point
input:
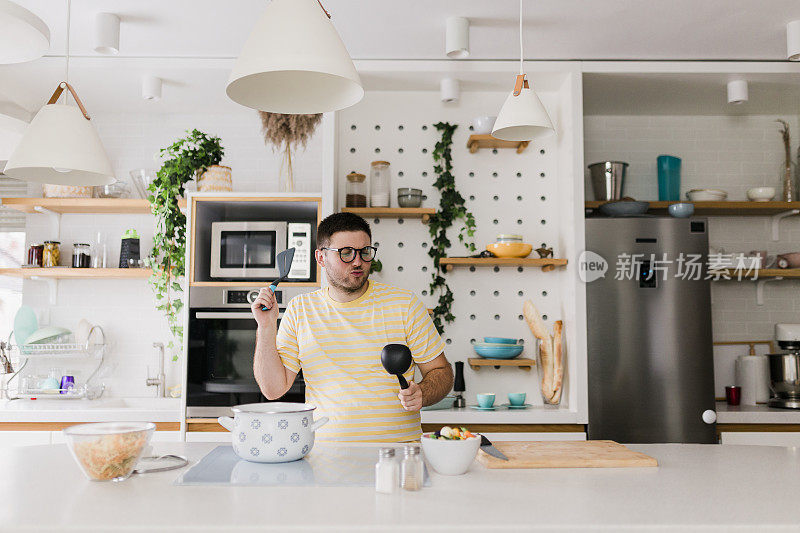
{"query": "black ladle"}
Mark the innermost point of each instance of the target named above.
(396, 359)
(284, 261)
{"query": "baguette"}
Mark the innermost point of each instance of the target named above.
(558, 361)
(539, 331)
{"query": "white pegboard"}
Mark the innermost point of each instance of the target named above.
(507, 192)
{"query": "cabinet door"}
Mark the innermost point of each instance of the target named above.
(535, 436)
(777, 438)
(23, 438)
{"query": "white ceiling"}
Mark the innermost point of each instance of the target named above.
(191, 44)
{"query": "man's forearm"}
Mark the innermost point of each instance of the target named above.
(436, 384)
(268, 368)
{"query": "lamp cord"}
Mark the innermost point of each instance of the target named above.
(520, 38)
(66, 70)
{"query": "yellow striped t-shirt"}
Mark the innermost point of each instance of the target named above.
(338, 346)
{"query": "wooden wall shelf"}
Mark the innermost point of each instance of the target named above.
(520, 362)
(721, 208)
(252, 283)
(423, 213)
(545, 264)
(475, 142)
(133, 206)
(765, 273)
(77, 273)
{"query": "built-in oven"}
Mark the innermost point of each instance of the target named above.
(249, 249)
(222, 339)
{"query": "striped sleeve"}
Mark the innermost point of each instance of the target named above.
(286, 340)
(421, 335)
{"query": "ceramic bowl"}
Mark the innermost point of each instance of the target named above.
(497, 351)
(681, 210)
(409, 200)
(510, 249)
(485, 399)
(483, 125)
(621, 208)
(761, 194)
(499, 340)
(516, 398)
(706, 195)
(450, 457)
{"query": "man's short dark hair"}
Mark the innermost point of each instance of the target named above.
(340, 222)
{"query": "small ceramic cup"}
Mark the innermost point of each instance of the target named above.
(516, 398)
(485, 399)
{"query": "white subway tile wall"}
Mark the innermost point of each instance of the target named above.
(126, 308)
(733, 153)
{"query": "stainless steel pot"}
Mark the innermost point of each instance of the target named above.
(784, 375)
(608, 179)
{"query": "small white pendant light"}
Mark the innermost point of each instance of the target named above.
(106, 34)
(151, 88)
(522, 117)
(294, 62)
(449, 90)
(23, 35)
(793, 40)
(60, 145)
(737, 91)
(456, 37)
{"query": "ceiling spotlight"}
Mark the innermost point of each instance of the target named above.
(456, 42)
(793, 40)
(151, 88)
(25, 36)
(450, 90)
(737, 91)
(106, 34)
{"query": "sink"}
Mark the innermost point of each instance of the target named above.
(142, 404)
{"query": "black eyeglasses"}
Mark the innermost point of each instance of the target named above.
(348, 253)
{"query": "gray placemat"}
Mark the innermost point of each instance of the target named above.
(325, 466)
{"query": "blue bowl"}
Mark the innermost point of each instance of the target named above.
(500, 340)
(498, 352)
(680, 210)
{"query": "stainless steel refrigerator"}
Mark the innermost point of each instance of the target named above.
(651, 372)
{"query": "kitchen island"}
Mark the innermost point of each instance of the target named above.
(694, 487)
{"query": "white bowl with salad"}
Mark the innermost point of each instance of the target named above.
(451, 450)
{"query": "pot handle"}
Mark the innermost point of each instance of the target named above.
(226, 422)
(319, 423)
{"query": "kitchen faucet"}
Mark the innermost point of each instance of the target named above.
(161, 379)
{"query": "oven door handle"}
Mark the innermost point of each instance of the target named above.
(243, 315)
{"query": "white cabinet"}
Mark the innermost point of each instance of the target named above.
(208, 436)
(23, 438)
(761, 438)
(535, 436)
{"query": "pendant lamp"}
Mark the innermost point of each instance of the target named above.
(61, 146)
(294, 62)
(522, 117)
(24, 36)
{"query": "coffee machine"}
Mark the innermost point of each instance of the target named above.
(784, 368)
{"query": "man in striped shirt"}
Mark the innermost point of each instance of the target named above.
(336, 335)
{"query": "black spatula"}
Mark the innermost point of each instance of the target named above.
(396, 359)
(284, 261)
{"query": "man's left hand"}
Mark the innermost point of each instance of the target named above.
(411, 398)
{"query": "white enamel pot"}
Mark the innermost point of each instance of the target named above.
(276, 432)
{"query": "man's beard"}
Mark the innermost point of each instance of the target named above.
(348, 288)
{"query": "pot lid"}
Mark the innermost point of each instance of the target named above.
(268, 408)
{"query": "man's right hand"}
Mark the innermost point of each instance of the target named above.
(266, 319)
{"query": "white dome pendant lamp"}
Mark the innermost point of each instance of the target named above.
(294, 62)
(24, 36)
(522, 117)
(61, 146)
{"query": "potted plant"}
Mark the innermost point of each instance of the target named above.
(181, 162)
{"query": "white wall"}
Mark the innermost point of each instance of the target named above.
(126, 308)
(732, 153)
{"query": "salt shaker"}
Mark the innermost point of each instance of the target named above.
(387, 471)
(411, 469)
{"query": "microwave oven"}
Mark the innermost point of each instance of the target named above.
(249, 250)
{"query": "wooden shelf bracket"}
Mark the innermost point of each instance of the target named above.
(776, 222)
(52, 286)
(55, 219)
(760, 288)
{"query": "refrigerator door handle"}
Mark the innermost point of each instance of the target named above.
(709, 416)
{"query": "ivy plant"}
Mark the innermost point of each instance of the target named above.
(181, 162)
(451, 208)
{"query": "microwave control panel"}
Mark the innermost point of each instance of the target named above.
(299, 238)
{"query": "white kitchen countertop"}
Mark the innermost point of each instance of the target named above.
(713, 487)
(100, 410)
(755, 414)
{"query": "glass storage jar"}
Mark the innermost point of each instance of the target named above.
(379, 183)
(81, 255)
(356, 190)
(51, 254)
(35, 254)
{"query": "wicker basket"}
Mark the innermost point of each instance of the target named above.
(66, 191)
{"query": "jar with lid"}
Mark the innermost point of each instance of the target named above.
(387, 472)
(380, 184)
(51, 254)
(411, 470)
(356, 190)
(81, 255)
(35, 254)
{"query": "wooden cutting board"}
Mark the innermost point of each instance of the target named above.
(565, 454)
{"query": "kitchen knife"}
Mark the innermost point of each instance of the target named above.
(486, 446)
(284, 261)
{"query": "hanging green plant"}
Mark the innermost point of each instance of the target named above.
(182, 161)
(451, 208)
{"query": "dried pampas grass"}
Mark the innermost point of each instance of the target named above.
(286, 133)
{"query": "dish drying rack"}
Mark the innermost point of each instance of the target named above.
(70, 350)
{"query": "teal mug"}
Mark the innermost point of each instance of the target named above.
(485, 399)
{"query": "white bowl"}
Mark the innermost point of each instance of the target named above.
(483, 125)
(450, 457)
(706, 195)
(761, 194)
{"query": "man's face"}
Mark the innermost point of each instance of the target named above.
(348, 277)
